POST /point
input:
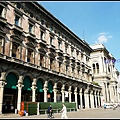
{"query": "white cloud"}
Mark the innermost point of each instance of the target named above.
(103, 37)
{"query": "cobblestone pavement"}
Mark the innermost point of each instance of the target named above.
(81, 114)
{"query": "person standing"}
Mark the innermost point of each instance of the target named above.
(64, 112)
(104, 106)
(49, 111)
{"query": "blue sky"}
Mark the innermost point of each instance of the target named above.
(95, 22)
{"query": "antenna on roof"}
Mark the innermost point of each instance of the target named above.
(83, 35)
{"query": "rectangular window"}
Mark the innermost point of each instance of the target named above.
(66, 49)
(1, 9)
(30, 28)
(17, 20)
(59, 44)
(41, 34)
(66, 70)
(71, 52)
(18, 5)
(51, 40)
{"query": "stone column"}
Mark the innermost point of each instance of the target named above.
(92, 99)
(33, 90)
(19, 85)
(2, 84)
(81, 102)
(33, 93)
(55, 91)
(45, 91)
(95, 98)
(98, 99)
(69, 91)
(111, 93)
(107, 96)
(86, 99)
(63, 93)
(75, 92)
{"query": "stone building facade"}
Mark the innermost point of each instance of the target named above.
(105, 73)
(41, 60)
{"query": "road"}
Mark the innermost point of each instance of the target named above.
(98, 113)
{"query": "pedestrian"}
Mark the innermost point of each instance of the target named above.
(104, 106)
(50, 111)
(64, 112)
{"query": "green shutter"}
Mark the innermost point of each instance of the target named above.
(11, 81)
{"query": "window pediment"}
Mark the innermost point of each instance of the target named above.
(52, 55)
(30, 44)
(18, 12)
(42, 50)
(16, 38)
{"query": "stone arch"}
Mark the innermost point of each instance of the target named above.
(72, 94)
(59, 94)
(10, 91)
(83, 98)
(26, 89)
(50, 92)
(66, 93)
(39, 90)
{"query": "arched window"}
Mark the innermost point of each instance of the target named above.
(93, 68)
(97, 67)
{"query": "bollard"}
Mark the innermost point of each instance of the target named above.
(16, 111)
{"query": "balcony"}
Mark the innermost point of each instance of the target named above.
(59, 51)
(42, 42)
(30, 44)
(60, 58)
(66, 55)
(31, 37)
(17, 28)
(72, 58)
(42, 50)
(51, 47)
(16, 39)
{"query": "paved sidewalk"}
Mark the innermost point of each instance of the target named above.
(81, 114)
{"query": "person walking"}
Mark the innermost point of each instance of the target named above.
(64, 112)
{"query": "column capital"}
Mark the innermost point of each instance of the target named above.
(19, 85)
(3, 75)
(20, 79)
(2, 84)
(55, 90)
(62, 91)
(33, 87)
(45, 88)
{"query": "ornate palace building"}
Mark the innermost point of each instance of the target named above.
(41, 60)
(105, 73)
